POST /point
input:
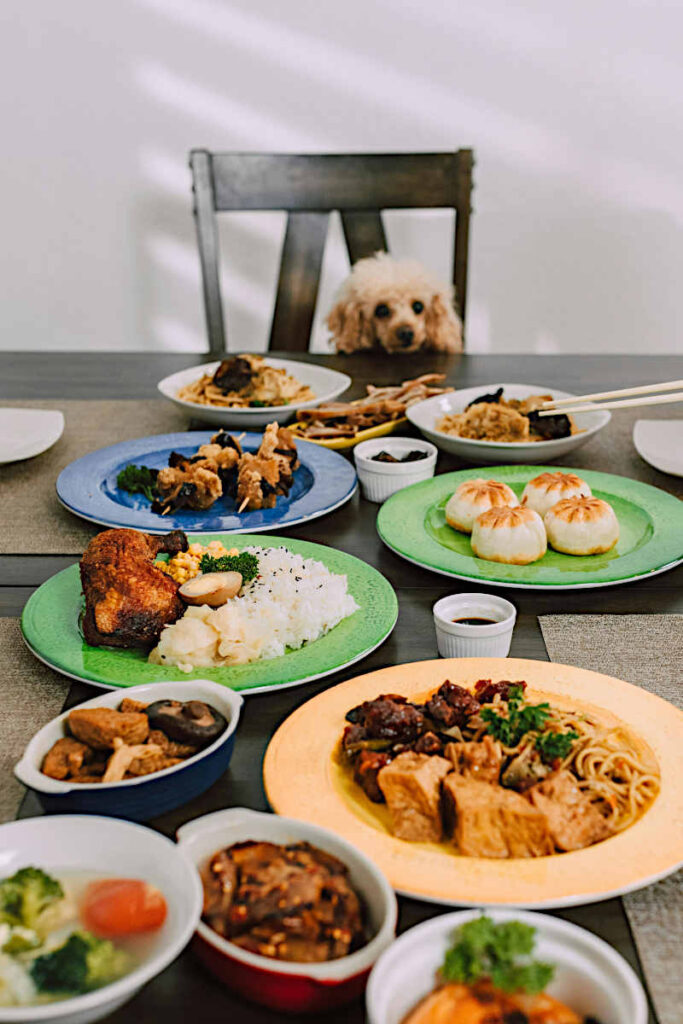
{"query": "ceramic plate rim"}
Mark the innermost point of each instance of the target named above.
(166, 383)
(37, 448)
(381, 631)
(82, 472)
(658, 464)
(312, 769)
(600, 481)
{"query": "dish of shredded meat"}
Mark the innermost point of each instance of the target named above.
(292, 902)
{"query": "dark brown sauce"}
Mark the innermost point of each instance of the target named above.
(476, 621)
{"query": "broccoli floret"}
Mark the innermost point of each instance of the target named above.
(244, 563)
(83, 963)
(138, 480)
(25, 895)
(17, 939)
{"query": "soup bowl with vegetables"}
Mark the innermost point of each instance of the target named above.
(90, 910)
(470, 966)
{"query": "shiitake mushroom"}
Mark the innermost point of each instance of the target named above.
(191, 721)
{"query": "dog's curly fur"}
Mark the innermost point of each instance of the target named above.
(415, 309)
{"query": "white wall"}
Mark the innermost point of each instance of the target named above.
(574, 111)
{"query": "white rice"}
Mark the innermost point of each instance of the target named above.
(293, 601)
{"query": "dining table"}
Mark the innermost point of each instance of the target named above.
(185, 991)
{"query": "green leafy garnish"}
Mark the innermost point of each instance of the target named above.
(483, 949)
(138, 480)
(554, 745)
(245, 563)
(521, 718)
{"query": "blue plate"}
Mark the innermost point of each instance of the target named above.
(87, 487)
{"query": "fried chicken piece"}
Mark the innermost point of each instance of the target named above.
(128, 600)
(64, 758)
(198, 484)
(257, 481)
(101, 727)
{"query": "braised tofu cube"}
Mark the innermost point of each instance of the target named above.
(411, 785)
(481, 761)
(489, 821)
(574, 821)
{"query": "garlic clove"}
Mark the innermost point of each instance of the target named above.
(212, 588)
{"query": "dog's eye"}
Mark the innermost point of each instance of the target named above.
(382, 311)
(418, 307)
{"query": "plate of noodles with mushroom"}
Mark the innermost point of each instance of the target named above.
(502, 423)
(535, 527)
(207, 481)
(248, 611)
(490, 781)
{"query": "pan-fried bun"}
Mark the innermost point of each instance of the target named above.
(515, 536)
(473, 497)
(582, 526)
(546, 490)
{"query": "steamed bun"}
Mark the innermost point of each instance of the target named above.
(474, 497)
(582, 526)
(546, 490)
(515, 536)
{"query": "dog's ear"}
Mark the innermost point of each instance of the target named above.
(348, 327)
(443, 325)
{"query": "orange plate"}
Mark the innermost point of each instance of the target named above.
(303, 779)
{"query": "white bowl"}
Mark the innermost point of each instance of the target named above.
(325, 384)
(295, 987)
(117, 849)
(424, 416)
(590, 977)
(459, 640)
(379, 480)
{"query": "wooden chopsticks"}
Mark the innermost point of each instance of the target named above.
(579, 402)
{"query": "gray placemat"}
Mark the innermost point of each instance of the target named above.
(646, 650)
(32, 694)
(33, 521)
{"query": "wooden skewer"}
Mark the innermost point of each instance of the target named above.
(244, 504)
(629, 402)
(642, 389)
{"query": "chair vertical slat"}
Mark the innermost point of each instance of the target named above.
(207, 239)
(297, 290)
(464, 164)
(364, 233)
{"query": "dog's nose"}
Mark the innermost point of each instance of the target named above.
(405, 335)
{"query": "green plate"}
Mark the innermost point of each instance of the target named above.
(50, 624)
(413, 524)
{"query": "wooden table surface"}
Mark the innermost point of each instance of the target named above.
(185, 990)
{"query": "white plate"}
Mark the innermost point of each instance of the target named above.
(325, 384)
(424, 416)
(28, 432)
(660, 442)
(589, 975)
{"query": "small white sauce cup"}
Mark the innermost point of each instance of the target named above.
(379, 480)
(460, 640)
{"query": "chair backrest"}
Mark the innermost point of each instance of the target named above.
(308, 188)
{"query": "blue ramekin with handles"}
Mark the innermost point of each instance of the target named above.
(149, 795)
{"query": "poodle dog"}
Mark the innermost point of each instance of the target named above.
(396, 304)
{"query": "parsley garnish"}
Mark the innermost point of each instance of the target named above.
(483, 949)
(521, 718)
(554, 745)
(244, 563)
(138, 480)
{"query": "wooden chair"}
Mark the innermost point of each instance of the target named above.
(308, 188)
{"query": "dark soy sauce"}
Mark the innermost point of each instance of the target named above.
(476, 621)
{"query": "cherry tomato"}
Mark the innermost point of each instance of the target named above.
(122, 906)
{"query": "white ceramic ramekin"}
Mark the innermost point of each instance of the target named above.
(589, 976)
(459, 640)
(379, 480)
